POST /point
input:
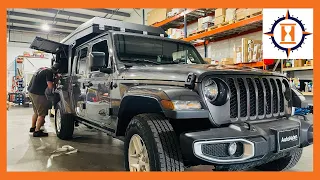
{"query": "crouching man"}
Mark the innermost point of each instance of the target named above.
(41, 82)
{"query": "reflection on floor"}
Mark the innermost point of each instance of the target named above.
(96, 150)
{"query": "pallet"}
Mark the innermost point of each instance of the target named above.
(249, 16)
(198, 32)
(220, 25)
(213, 27)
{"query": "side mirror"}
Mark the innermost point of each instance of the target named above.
(98, 60)
(106, 70)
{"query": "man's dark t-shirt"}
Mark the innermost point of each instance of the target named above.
(38, 83)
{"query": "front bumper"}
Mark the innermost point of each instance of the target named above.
(259, 142)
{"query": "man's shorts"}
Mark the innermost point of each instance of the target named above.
(40, 104)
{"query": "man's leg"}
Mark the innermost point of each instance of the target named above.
(35, 114)
(40, 121)
(42, 109)
(34, 120)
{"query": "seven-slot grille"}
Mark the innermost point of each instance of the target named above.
(252, 98)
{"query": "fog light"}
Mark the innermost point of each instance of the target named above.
(232, 148)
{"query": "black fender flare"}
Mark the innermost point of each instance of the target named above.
(60, 98)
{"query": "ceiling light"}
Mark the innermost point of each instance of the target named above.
(45, 27)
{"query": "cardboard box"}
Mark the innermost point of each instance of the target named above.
(254, 49)
(257, 56)
(175, 33)
(226, 61)
(299, 62)
(220, 12)
(244, 53)
(241, 13)
(230, 14)
(174, 12)
(206, 25)
(204, 20)
(237, 55)
(254, 11)
(207, 60)
(157, 15)
(219, 20)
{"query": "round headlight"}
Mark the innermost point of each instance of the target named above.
(211, 90)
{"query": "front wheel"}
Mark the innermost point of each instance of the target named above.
(151, 145)
(64, 123)
(284, 163)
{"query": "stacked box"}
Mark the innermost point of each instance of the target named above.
(244, 53)
(220, 15)
(251, 50)
(174, 12)
(226, 61)
(254, 50)
(241, 13)
(299, 62)
(230, 14)
(254, 11)
(204, 22)
(175, 33)
(157, 15)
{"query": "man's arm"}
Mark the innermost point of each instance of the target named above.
(50, 79)
(50, 84)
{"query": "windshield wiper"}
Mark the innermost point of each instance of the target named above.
(140, 60)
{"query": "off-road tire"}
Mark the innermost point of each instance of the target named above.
(282, 164)
(67, 124)
(160, 140)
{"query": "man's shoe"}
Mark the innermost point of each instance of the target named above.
(32, 129)
(40, 134)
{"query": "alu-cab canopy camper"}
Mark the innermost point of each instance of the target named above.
(64, 51)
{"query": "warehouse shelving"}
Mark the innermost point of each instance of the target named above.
(298, 68)
(249, 24)
(179, 20)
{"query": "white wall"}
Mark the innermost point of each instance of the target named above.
(224, 49)
(15, 48)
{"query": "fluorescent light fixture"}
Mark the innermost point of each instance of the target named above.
(45, 27)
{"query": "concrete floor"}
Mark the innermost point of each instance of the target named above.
(96, 150)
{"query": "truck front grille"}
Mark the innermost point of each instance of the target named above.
(252, 98)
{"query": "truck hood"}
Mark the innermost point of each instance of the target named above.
(179, 72)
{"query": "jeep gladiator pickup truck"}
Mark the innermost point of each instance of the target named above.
(171, 109)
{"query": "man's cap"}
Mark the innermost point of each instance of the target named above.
(55, 66)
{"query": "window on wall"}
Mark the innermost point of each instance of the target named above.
(82, 61)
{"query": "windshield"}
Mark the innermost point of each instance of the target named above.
(137, 49)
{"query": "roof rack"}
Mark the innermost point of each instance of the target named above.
(98, 25)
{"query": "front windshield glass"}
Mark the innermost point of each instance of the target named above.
(134, 49)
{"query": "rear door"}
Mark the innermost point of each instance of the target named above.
(48, 46)
(80, 80)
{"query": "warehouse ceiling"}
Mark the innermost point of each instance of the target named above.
(60, 21)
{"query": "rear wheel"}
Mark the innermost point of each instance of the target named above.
(64, 123)
(284, 163)
(151, 145)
